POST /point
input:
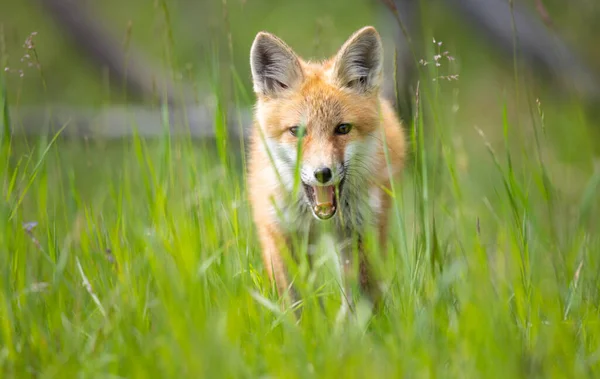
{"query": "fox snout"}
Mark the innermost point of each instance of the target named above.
(321, 175)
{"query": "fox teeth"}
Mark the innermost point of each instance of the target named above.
(324, 207)
(324, 211)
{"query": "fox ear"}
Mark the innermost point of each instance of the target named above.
(275, 67)
(359, 63)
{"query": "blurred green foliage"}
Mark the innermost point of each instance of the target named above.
(201, 33)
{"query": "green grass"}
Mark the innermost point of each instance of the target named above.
(506, 285)
(138, 257)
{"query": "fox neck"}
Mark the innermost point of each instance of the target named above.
(359, 205)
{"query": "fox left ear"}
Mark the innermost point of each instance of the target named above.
(359, 63)
(274, 65)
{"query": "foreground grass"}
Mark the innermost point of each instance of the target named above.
(138, 259)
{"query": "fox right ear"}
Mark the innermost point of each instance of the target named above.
(359, 63)
(275, 67)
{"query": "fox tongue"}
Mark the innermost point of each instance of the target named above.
(324, 195)
(324, 207)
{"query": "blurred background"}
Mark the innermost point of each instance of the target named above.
(87, 49)
(89, 59)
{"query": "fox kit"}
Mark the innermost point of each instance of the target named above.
(329, 121)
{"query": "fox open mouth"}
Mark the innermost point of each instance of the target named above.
(323, 200)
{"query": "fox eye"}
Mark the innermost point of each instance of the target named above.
(295, 131)
(343, 129)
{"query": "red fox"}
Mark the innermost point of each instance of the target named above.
(329, 121)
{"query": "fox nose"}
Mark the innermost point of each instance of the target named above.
(323, 174)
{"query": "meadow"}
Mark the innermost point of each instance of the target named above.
(137, 257)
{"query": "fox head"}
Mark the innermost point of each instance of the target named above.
(322, 116)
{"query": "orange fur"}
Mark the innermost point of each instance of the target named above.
(343, 89)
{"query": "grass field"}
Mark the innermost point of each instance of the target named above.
(137, 258)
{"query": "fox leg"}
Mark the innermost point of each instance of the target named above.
(311, 265)
(367, 280)
(383, 223)
(273, 243)
(347, 300)
(348, 273)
